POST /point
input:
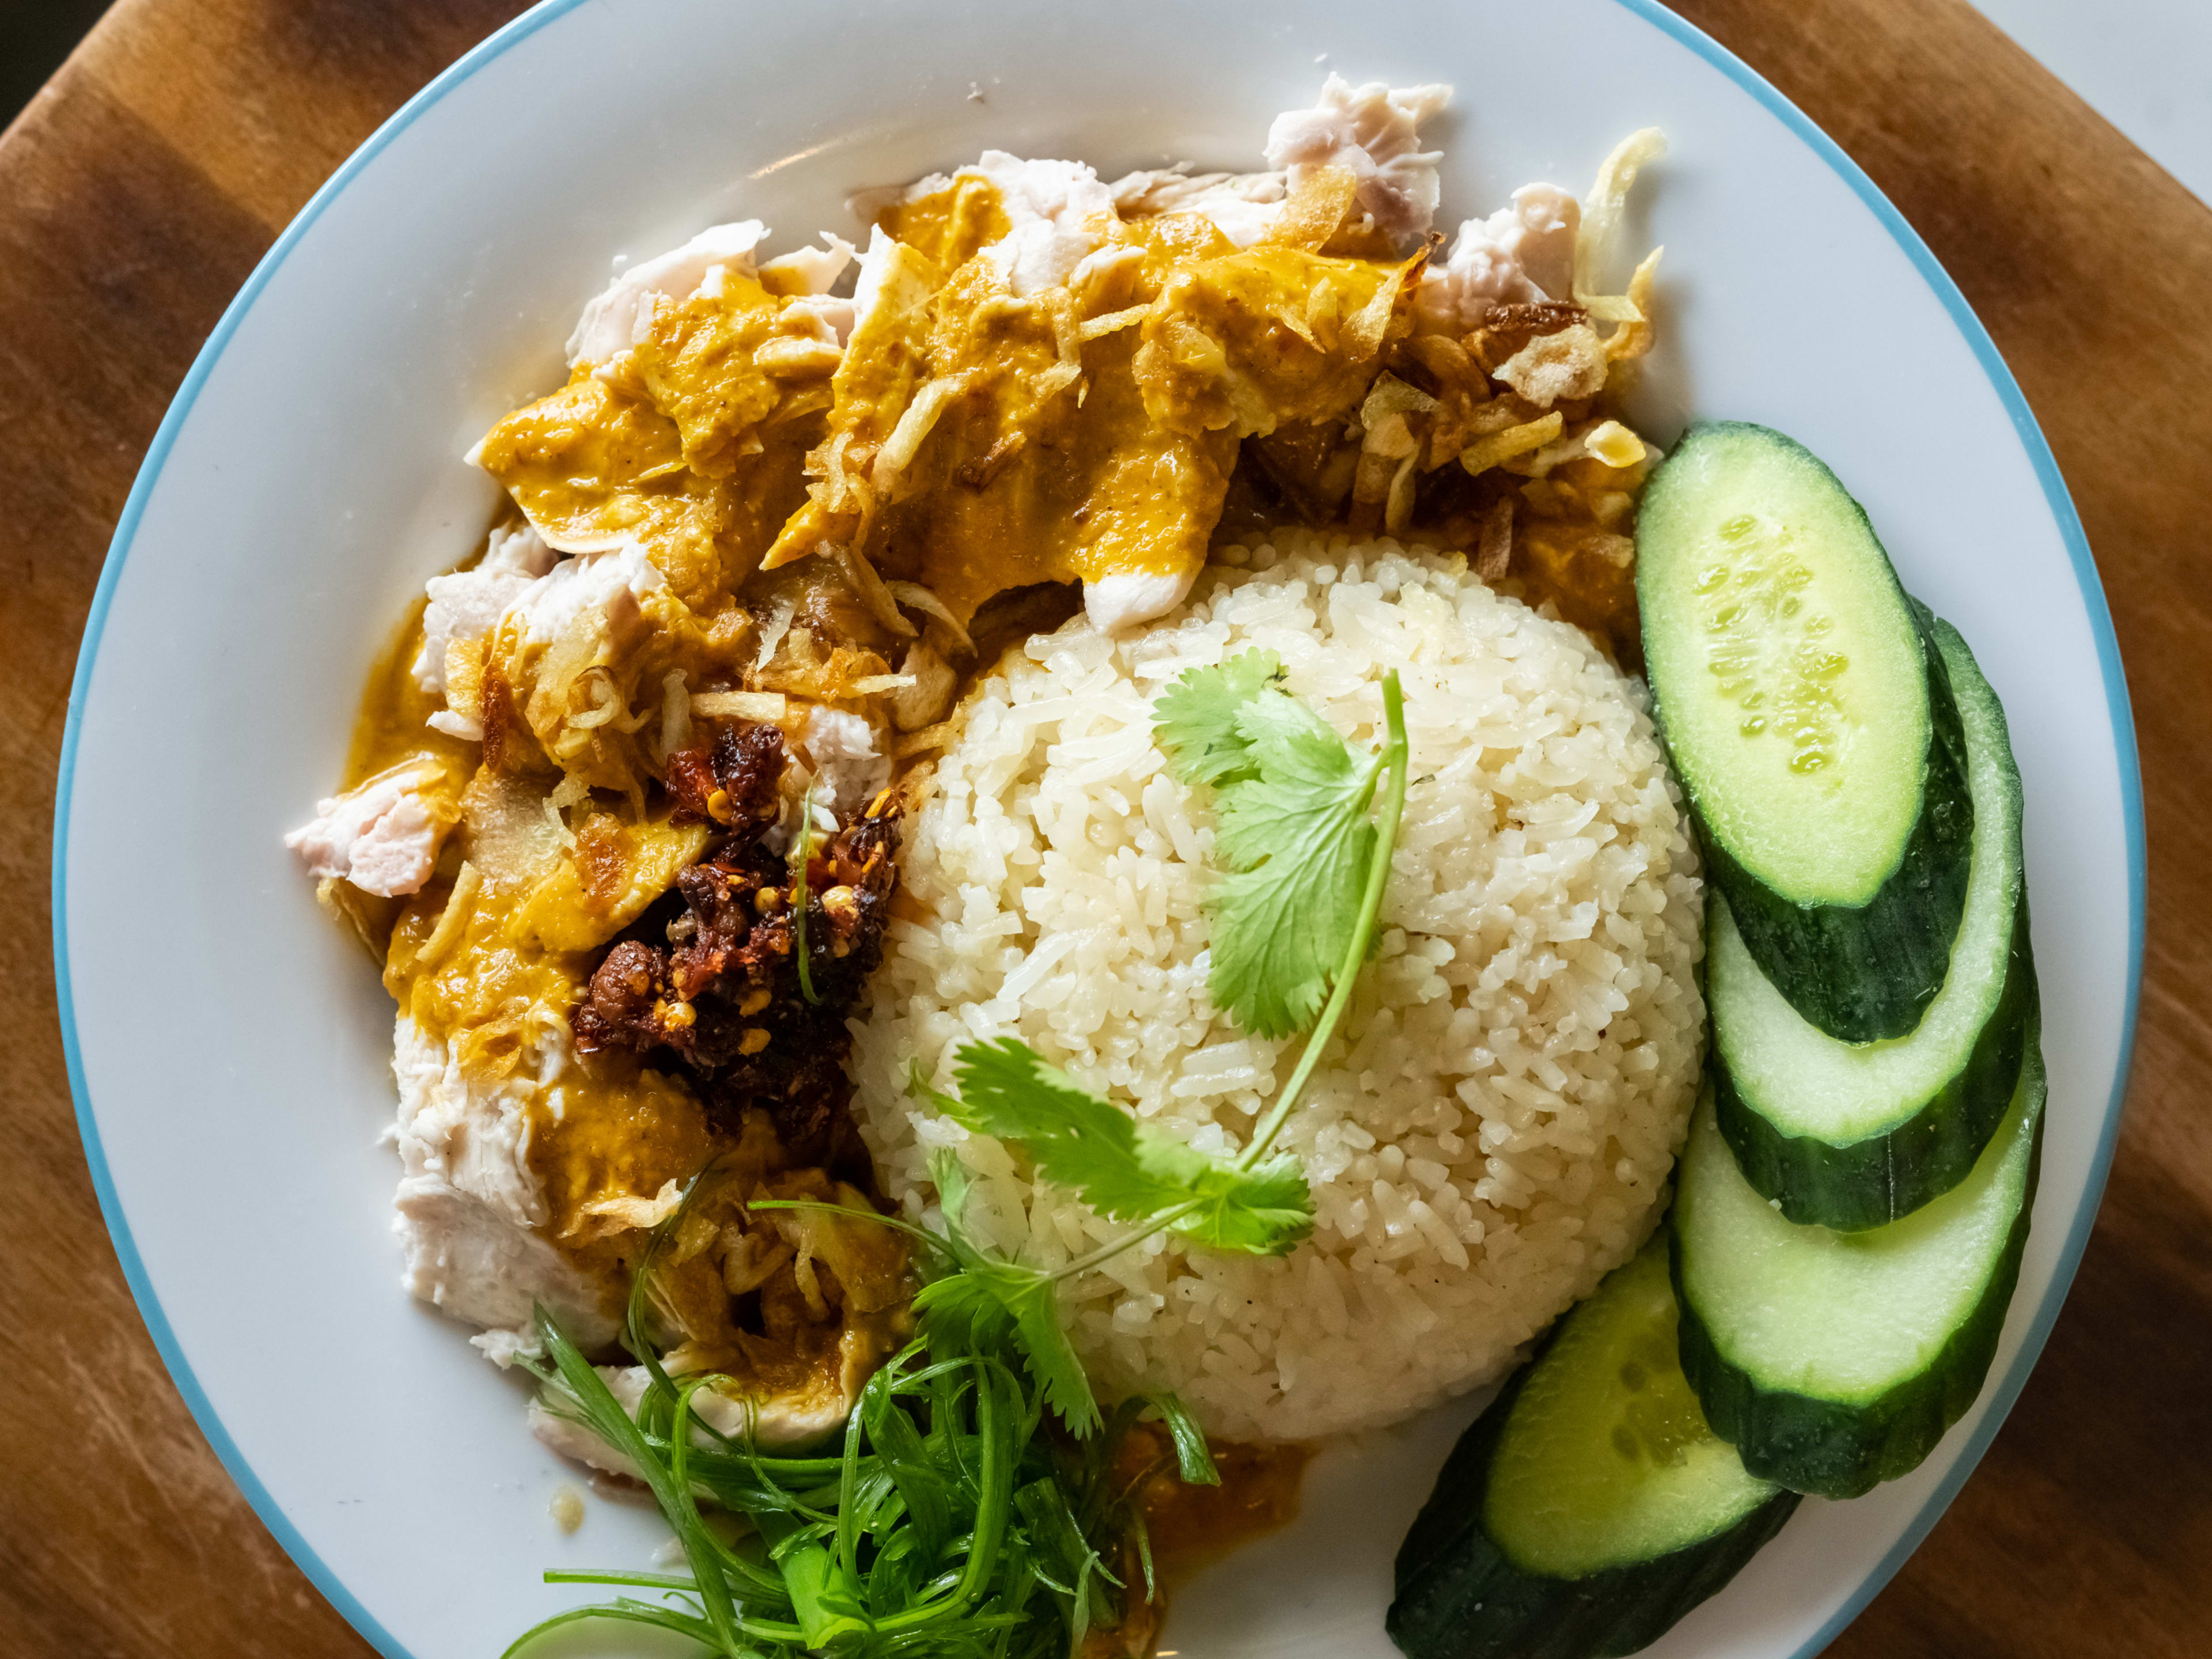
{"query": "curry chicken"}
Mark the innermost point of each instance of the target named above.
(623, 815)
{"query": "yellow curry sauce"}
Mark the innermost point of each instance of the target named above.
(972, 441)
(615, 1128)
(1192, 1527)
(1189, 1528)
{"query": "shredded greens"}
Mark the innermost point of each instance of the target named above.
(951, 1520)
(947, 1523)
(954, 1519)
(1003, 1302)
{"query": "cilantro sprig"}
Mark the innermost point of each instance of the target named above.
(1358, 936)
(1123, 1171)
(1294, 831)
(1293, 921)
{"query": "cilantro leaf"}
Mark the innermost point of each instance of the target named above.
(1298, 842)
(1196, 722)
(988, 1300)
(1074, 1137)
(1294, 834)
(1267, 1210)
(1121, 1168)
(946, 1172)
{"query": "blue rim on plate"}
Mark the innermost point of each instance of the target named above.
(2007, 1388)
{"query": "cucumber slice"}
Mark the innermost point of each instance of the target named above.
(1590, 1507)
(1835, 1361)
(1852, 1136)
(1811, 722)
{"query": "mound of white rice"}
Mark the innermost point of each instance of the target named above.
(1496, 1124)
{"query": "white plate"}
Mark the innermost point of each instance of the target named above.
(229, 1049)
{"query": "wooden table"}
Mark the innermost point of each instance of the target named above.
(138, 192)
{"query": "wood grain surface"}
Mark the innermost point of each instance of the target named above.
(139, 189)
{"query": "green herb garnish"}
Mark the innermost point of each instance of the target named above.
(997, 1302)
(1196, 722)
(1291, 784)
(951, 1521)
(1120, 1168)
(1294, 831)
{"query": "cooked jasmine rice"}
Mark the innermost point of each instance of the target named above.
(1495, 1125)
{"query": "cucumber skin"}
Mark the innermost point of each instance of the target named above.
(1866, 973)
(1861, 973)
(1872, 1182)
(1456, 1596)
(1830, 1449)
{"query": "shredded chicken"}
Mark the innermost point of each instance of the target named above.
(1373, 132)
(383, 834)
(616, 318)
(1521, 255)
